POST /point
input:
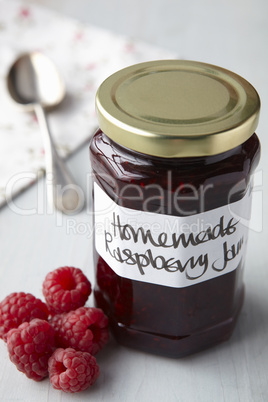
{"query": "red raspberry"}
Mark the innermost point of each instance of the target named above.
(66, 289)
(18, 308)
(30, 346)
(85, 329)
(71, 370)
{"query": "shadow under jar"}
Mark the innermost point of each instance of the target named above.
(172, 165)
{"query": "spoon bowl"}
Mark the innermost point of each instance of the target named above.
(35, 85)
(33, 79)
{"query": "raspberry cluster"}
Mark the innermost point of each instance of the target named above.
(58, 338)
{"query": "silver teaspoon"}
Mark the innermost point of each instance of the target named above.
(35, 84)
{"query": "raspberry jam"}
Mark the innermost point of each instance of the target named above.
(172, 204)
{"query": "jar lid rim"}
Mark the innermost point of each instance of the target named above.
(177, 108)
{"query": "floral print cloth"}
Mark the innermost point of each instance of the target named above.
(85, 56)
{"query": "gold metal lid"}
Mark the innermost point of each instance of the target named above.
(177, 108)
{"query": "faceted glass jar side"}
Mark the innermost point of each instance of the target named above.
(161, 319)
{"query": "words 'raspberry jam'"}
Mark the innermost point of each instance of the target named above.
(173, 163)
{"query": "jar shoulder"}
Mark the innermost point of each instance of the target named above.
(127, 165)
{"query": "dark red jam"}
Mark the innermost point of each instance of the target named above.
(161, 319)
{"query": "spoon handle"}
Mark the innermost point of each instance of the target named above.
(62, 192)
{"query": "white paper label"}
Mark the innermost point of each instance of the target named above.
(170, 250)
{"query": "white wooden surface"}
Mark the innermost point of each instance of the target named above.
(233, 34)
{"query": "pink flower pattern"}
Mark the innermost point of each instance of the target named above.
(24, 12)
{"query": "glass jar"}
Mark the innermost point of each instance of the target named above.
(172, 165)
